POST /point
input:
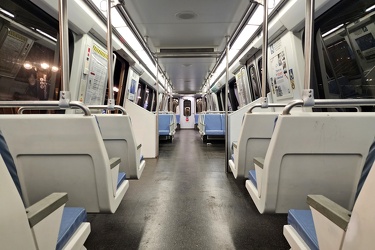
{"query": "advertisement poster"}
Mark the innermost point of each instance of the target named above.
(97, 78)
(133, 85)
(281, 77)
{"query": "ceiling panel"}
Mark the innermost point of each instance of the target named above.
(214, 20)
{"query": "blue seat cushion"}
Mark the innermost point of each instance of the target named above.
(141, 158)
(215, 132)
(9, 163)
(302, 221)
(232, 157)
(120, 179)
(163, 132)
(366, 168)
(253, 177)
(71, 219)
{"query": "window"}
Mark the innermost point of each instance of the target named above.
(346, 57)
(31, 71)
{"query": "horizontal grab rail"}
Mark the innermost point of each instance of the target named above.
(116, 107)
(271, 105)
(47, 104)
(321, 103)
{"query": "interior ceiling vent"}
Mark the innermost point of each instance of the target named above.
(187, 50)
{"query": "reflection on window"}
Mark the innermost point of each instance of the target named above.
(29, 62)
(254, 85)
(343, 60)
(349, 56)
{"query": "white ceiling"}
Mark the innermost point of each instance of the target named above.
(215, 19)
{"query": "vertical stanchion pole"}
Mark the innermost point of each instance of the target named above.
(308, 94)
(157, 106)
(64, 54)
(263, 100)
(226, 104)
(111, 101)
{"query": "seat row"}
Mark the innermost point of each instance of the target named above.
(288, 157)
(211, 126)
(73, 156)
(167, 125)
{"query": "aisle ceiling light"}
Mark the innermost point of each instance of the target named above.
(46, 35)
(370, 8)
(6, 13)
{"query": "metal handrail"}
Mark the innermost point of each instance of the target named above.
(116, 107)
(111, 101)
(354, 103)
(46, 104)
(271, 105)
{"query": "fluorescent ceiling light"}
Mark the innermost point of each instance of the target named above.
(257, 17)
(6, 13)
(332, 30)
(117, 20)
(128, 36)
(244, 36)
(46, 35)
(147, 61)
(370, 8)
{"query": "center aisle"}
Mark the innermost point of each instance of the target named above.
(184, 200)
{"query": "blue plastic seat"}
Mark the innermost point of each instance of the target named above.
(121, 178)
(253, 177)
(164, 124)
(72, 217)
(71, 220)
(302, 221)
(214, 124)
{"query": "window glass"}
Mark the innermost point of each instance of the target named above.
(348, 51)
(254, 85)
(29, 57)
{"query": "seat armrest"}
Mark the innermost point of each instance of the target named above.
(259, 161)
(139, 146)
(331, 210)
(113, 162)
(234, 144)
(40, 210)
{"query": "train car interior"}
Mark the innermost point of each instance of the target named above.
(213, 124)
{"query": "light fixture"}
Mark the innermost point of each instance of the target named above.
(44, 65)
(332, 30)
(6, 13)
(54, 69)
(27, 65)
(186, 15)
(370, 8)
(46, 35)
(115, 89)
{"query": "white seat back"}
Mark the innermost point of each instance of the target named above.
(253, 141)
(15, 232)
(314, 153)
(62, 153)
(119, 140)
